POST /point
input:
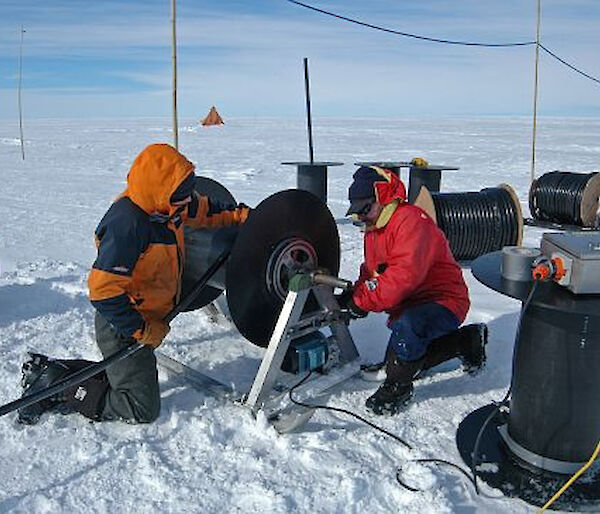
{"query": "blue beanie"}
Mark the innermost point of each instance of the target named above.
(363, 186)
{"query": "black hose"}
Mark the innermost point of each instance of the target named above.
(556, 197)
(386, 432)
(477, 223)
(343, 411)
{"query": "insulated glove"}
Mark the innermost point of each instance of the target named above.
(244, 212)
(154, 332)
(355, 310)
(346, 303)
(344, 298)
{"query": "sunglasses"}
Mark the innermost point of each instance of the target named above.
(364, 210)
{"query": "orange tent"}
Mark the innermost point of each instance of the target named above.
(213, 118)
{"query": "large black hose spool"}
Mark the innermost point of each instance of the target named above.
(287, 232)
(476, 223)
(564, 197)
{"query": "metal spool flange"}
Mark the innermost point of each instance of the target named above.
(203, 246)
(287, 232)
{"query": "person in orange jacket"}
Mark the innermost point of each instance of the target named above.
(410, 273)
(134, 283)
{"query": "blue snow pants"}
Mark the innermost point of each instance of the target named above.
(417, 327)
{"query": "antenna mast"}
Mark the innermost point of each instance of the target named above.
(308, 116)
(535, 90)
(174, 47)
(19, 93)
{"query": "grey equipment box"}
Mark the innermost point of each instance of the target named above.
(580, 252)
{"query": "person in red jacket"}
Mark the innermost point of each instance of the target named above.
(134, 283)
(410, 273)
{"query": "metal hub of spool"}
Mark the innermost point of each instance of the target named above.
(289, 258)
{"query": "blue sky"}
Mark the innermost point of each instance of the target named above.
(113, 58)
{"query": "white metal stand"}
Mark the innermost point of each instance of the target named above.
(270, 390)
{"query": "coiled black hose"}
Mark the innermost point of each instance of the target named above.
(557, 197)
(477, 223)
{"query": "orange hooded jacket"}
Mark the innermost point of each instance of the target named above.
(137, 273)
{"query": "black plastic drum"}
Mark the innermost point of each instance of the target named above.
(555, 406)
(552, 426)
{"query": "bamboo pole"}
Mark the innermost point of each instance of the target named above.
(19, 93)
(535, 90)
(174, 48)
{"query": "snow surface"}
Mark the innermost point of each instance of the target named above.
(204, 455)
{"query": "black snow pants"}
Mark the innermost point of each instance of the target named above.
(133, 394)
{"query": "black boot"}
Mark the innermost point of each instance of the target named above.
(87, 397)
(39, 372)
(397, 390)
(390, 398)
(467, 343)
(472, 347)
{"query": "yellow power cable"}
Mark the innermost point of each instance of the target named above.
(572, 479)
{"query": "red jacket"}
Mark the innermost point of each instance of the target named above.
(408, 262)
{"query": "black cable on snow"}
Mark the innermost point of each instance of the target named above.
(344, 411)
(386, 432)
